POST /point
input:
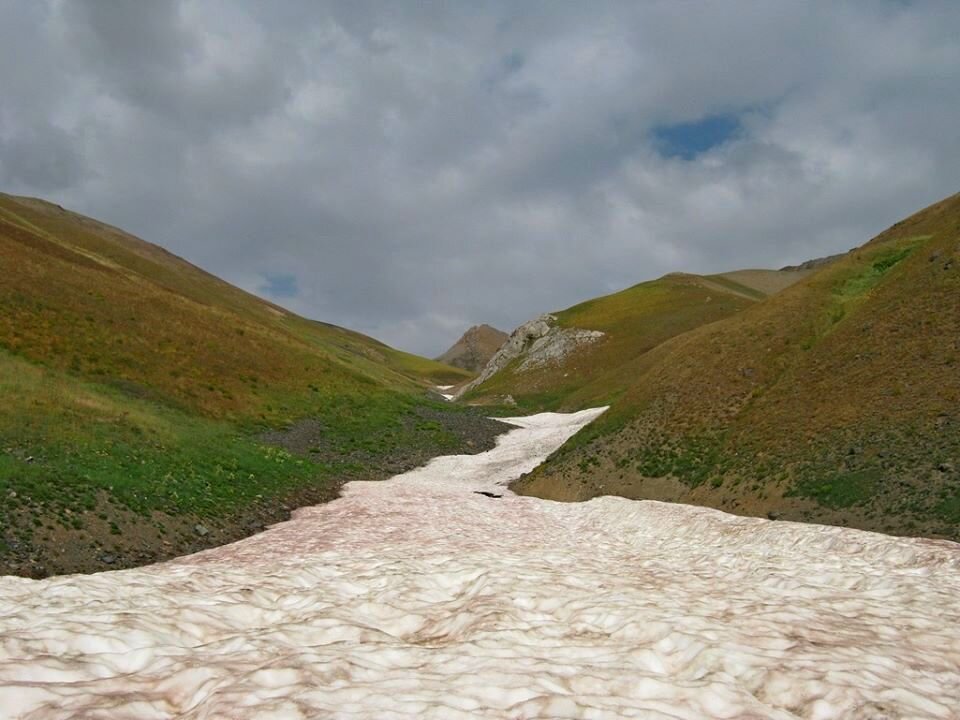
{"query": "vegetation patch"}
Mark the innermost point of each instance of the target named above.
(881, 263)
(949, 507)
(840, 489)
(692, 460)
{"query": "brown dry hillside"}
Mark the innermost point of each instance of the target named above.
(836, 400)
(475, 348)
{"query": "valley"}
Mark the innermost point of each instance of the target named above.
(258, 482)
(464, 360)
(153, 410)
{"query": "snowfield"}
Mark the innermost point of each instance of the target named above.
(418, 597)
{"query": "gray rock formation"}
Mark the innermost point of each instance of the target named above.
(539, 342)
(556, 345)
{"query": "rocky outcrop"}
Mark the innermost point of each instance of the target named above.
(538, 342)
(553, 347)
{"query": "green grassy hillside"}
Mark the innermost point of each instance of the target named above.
(634, 321)
(135, 386)
(836, 400)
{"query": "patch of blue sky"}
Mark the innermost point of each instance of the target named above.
(690, 139)
(280, 285)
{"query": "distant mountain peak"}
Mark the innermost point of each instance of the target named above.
(475, 348)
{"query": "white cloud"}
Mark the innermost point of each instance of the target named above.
(418, 169)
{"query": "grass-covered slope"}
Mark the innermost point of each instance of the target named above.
(836, 400)
(81, 296)
(134, 388)
(634, 321)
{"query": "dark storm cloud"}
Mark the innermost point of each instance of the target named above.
(408, 169)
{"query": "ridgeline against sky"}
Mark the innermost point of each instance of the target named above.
(410, 170)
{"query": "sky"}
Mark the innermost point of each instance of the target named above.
(408, 169)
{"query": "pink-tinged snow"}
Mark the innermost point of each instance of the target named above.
(418, 598)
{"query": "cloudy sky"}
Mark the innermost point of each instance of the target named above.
(411, 168)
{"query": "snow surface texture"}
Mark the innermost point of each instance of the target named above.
(418, 597)
(443, 391)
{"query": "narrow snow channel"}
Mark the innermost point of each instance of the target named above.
(418, 597)
(443, 391)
